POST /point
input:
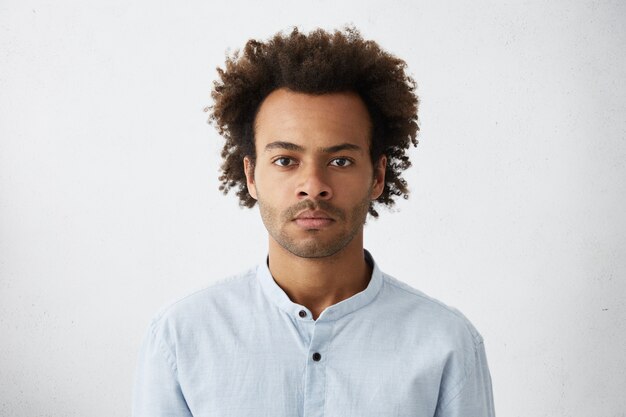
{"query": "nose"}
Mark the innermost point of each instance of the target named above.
(313, 184)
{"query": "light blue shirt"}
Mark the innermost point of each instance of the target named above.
(242, 348)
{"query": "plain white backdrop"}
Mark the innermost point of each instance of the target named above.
(109, 206)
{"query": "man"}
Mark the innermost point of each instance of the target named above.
(316, 128)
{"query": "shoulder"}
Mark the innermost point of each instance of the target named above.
(429, 314)
(214, 300)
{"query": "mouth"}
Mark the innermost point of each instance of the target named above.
(313, 220)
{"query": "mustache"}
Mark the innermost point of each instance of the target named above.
(312, 205)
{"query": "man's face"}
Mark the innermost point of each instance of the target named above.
(313, 177)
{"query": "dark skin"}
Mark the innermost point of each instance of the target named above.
(314, 180)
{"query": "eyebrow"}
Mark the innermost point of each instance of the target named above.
(297, 148)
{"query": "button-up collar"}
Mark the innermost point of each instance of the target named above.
(278, 296)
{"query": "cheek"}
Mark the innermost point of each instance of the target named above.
(357, 186)
(275, 190)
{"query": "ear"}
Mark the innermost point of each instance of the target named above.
(379, 177)
(248, 167)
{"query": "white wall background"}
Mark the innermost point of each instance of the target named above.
(109, 206)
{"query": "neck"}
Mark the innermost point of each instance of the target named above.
(318, 283)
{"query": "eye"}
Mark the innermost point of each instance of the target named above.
(341, 162)
(283, 161)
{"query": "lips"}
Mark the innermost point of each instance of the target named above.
(313, 219)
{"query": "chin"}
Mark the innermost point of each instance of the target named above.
(312, 247)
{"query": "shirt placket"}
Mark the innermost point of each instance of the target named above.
(315, 373)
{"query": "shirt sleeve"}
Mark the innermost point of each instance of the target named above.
(157, 392)
(474, 395)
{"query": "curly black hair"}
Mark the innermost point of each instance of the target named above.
(319, 62)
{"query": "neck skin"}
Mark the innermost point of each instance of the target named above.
(318, 283)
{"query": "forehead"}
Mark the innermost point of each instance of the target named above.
(312, 120)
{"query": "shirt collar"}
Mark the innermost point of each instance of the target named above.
(334, 312)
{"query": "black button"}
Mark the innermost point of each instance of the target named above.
(302, 313)
(317, 357)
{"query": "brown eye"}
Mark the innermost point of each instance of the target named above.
(284, 162)
(341, 162)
